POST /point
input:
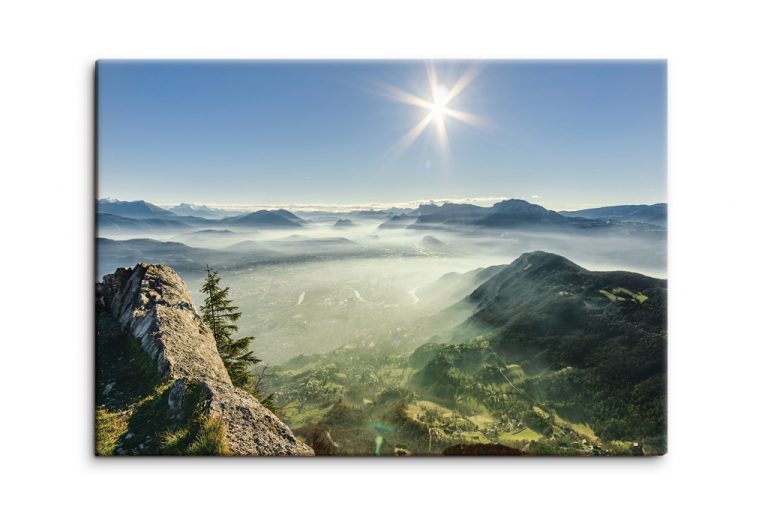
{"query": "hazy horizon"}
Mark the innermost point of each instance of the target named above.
(348, 207)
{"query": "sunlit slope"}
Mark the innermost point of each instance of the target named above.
(603, 332)
(546, 363)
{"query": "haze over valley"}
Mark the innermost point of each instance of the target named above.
(313, 282)
(318, 288)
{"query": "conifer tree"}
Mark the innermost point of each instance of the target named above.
(220, 316)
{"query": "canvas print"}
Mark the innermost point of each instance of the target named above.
(381, 258)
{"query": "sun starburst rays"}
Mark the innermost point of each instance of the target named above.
(412, 134)
(437, 107)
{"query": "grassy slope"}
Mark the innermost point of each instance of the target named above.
(436, 397)
(132, 413)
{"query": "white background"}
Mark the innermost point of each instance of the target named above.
(718, 289)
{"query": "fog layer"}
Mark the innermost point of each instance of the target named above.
(331, 283)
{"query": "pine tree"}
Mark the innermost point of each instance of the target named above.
(220, 316)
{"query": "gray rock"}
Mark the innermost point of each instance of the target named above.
(152, 303)
(176, 397)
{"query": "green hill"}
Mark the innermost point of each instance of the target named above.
(607, 329)
(554, 359)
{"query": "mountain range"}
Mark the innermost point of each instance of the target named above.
(508, 214)
(651, 214)
(117, 223)
(266, 218)
(193, 210)
(142, 216)
(133, 209)
(520, 214)
(182, 257)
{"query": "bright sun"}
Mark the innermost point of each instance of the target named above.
(438, 111)
(440, 98)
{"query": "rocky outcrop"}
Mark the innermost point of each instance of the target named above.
(152, 305)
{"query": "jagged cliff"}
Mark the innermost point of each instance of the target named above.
(149, 307)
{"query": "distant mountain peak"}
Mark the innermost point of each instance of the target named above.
(343, 223)
(541, 260)
(651, 214)
(132, 209)
(267, 218)
(397, 221)
(517, 203)
(426, 208)
(198, 210)
(519, 212)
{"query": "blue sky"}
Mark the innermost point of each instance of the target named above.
(562, 134)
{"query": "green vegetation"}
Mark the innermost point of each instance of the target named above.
(637, 297)
(132, 413)
(543, 364)
(110, 425)
(210, 439)
(622, 294)
(524, 434)
(220, 316)
(594, 361)
(424, 402)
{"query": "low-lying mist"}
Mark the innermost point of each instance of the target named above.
(331, 284)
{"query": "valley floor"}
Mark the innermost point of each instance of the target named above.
(363, 401)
